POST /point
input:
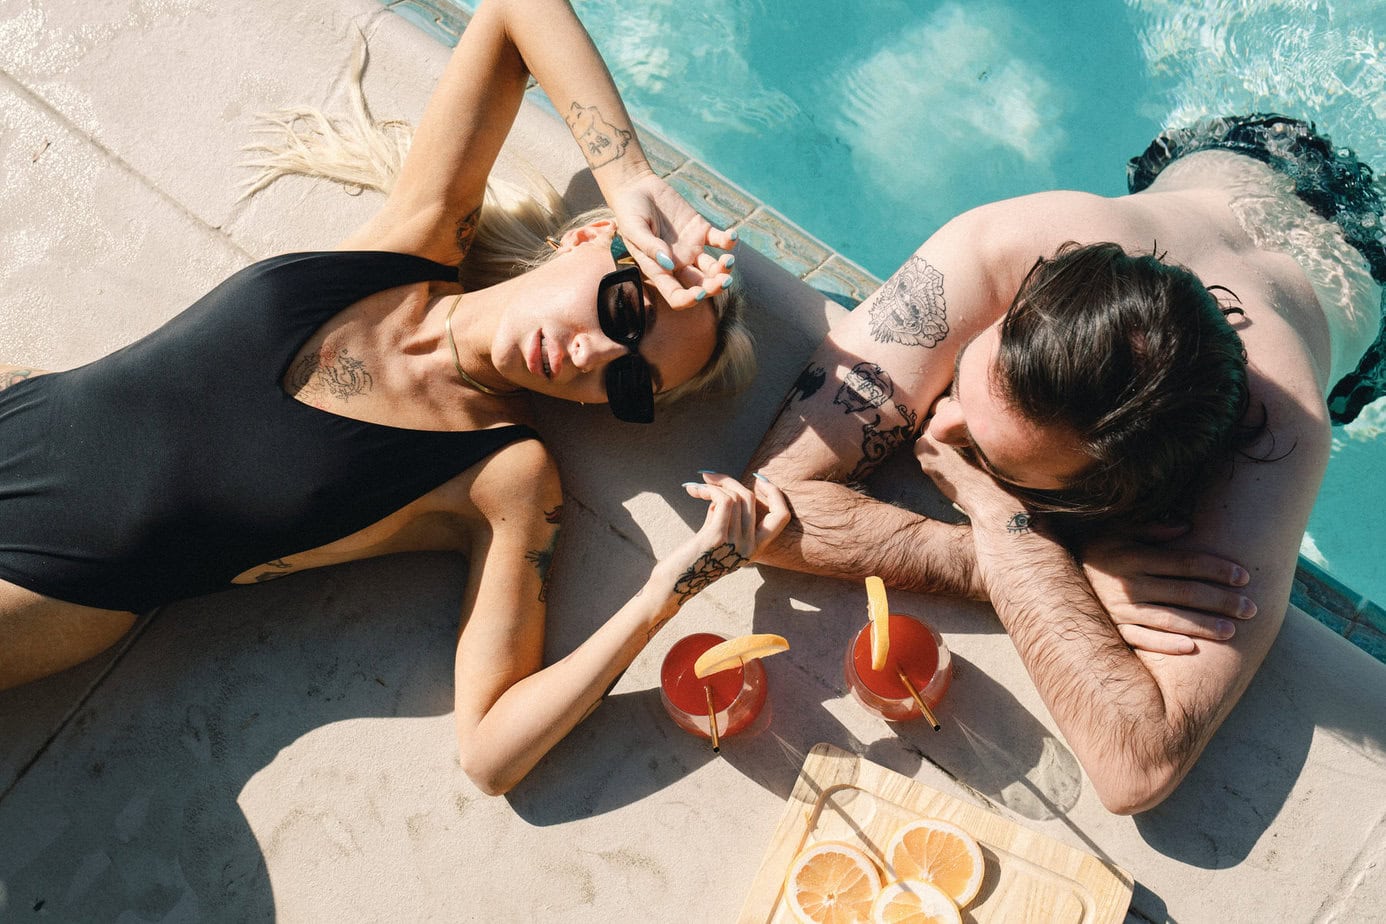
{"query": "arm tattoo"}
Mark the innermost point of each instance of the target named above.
(867, 385)
(542, 559)
(278, 568)
(1019, 524)
(877, 444)
(14, 377)
(466, 231)
(711, 565)
(600, 141)
(324, 374)
(910, 309)
(808, 382)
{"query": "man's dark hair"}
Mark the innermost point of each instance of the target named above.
(1138, 358)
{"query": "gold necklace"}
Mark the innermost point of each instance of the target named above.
(484, 389)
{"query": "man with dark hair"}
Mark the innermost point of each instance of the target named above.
(1162, 377)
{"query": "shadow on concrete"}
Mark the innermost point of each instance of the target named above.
(134, 808)
(1312, 682)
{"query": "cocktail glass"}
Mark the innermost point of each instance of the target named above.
(917, 652)
(735, 697)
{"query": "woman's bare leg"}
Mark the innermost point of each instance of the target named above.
(40, 636)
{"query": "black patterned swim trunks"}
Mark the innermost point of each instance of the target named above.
(1332, 181)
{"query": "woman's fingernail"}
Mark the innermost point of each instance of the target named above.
(728, 261)
(727, 285)
(733, 235)
(691, 484)
(761, 477)
(706, 471)
(663, 260)
(700, 295)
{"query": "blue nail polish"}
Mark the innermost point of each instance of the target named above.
(760, 476)
(702, 294)
(727, 285)
(728, 261)
(733, 235)
(706, 471)
(663, 260)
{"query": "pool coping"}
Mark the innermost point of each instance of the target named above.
(1315, 591)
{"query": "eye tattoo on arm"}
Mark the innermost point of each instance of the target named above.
(1018, 524)
(601, 141)
(711, 565)
(910, 309)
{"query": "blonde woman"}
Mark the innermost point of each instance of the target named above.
(318, 408)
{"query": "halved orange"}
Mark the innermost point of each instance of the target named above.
(736, 651)
(914, 901)
(832, 882)
(937, 852)
(878, 612)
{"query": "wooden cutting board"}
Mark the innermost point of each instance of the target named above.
(1029, 877)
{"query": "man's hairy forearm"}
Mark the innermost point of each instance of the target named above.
(1134, 742)
(838, 532)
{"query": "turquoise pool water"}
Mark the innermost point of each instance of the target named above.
(870, 124)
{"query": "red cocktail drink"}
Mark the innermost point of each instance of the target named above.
(737, 695)
(917, 651)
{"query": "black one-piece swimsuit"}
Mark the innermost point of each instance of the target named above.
(169, 467)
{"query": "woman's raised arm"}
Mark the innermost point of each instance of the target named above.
(433, 206)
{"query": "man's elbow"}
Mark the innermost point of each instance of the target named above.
(1133, 793)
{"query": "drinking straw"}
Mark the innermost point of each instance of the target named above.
(923, 707)
(712, 718)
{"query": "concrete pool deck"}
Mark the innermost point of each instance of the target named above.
(286, 750)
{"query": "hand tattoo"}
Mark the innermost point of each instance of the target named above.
(601, 141)
(1018, 524)
(711, 565)
(910, 309)
(877, 444)
(867, 385)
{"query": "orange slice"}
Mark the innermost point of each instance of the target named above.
(940, 853)
(914, 901)
(725, 655)
(832, 882)
(878, 612)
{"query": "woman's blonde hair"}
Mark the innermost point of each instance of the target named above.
(513, 227)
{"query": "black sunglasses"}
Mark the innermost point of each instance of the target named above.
(623, 313)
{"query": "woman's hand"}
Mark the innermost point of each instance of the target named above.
(666, 236)
(740, 522)
(1163, 600)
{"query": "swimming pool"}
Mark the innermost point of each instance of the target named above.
(871, 124)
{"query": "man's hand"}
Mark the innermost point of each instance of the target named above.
(1164, 599)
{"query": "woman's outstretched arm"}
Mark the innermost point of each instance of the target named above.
(433, 207)
(510, 708)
